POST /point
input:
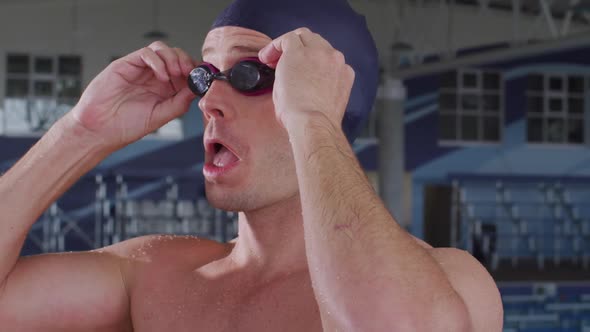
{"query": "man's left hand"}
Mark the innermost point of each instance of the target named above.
(311, 76)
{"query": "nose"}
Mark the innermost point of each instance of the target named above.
(216, 102)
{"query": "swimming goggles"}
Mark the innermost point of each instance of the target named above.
(249, 76)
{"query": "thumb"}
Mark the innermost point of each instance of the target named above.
(171, 108)
(271, 53)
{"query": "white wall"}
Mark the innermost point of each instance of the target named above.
(108, 28)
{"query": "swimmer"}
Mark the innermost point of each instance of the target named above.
(316, 251)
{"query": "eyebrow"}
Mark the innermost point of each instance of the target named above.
(240, 48)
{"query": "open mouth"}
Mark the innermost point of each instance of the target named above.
(221, 156)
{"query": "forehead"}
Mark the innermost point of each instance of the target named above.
(232, 42)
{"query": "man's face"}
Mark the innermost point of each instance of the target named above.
(255, 166)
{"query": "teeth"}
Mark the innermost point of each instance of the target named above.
(224, 157)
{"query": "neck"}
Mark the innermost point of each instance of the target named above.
(270, 239)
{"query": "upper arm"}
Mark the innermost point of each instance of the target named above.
(474, 285)
(65, 292)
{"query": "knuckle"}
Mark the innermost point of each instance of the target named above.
(117, 63)
(303, 30)
(350, 71)
(337, 56)
(178, 51)
(163, 52)
(148, 55)
(157, 45)
(146, 52)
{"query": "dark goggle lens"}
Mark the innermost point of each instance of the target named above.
(245, 76)
(200, 80)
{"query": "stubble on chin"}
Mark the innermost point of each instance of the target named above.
(232, 202)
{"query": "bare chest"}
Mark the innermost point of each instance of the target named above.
(195, 303)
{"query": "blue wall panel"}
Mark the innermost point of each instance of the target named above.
(431, 162)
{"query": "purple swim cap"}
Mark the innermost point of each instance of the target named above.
(334, 20)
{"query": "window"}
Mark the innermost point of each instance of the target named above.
(40, 89)
(470, 104)
(555, 108)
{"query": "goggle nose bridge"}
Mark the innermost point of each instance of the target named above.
(224, 75)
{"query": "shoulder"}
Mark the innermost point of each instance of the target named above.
(474, 284)
(162, 245)
(165, 251)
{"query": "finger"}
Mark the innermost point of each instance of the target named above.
(169, 57)
(186, 62)
(171, 108)
(178, 82)
(349, 75)
(311, 39)
(133, 65)
(150, 59)
(272, 52)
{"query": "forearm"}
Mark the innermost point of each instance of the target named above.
(367, 271)
(47, 170)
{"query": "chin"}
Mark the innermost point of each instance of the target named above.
(228, 199)
(243, 200)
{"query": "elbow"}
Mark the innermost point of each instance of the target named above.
(437, 311)
(3, 286)
(451, 315)
(453, 318)
(4, 307)
(460, 322)
(423, 324)
(2, 291)
(3, 315)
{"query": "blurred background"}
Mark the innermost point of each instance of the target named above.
(477, 140)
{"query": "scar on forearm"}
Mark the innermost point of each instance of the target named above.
(339, 227)
(318, 149)
(345, 228)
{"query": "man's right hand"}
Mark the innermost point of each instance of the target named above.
(132, 97)
(135, 95)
